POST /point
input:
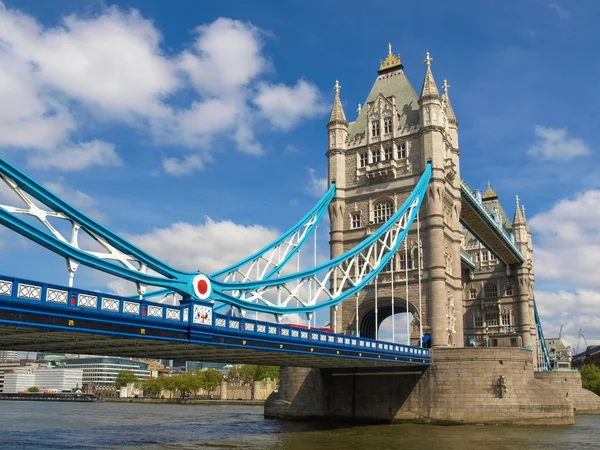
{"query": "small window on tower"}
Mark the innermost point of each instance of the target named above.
(356, 220)
(478, 321)
(363, 158)
(375, 156)
(509, 289)
(402, 150)
(472, 293)
(491, 290)
(375, 128)
(484, 255)
(388, 153)
(387, 125)
(382, 211)
(402, 261)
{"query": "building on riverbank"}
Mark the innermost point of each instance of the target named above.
(104, 370)
(591, 355)
(8, 355)
(46, 380)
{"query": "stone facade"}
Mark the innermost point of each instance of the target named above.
(462, 386)
(375, 162)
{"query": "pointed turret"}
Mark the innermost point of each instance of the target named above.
(519, 218)
(429, 89)
(447, 105)
(337, 111)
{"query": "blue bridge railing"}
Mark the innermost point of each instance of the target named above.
(193, 317)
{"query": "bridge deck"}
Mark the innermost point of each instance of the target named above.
(479, 221)
(45, 318)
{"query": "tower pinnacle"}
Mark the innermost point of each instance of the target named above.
(519, 216)
(429, 89)
(337, 111)
(447, 105)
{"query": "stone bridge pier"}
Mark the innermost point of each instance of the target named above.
(461, 386)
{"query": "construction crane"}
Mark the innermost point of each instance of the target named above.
(578, 340)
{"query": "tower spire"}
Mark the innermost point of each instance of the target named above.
(429, 89)
(447, 105)
(519, 217)
(337, 111)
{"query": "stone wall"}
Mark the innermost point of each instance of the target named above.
(569, 386)
(459, 387)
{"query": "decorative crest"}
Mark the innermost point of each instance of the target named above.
(517, 200)
(359, 108)
(337, 87)
(390, 61)
(489, 194)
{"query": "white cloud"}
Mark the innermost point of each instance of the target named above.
(185, 166)
(285, 106)
(567, 254)
(568, 241)
(76, 198)
(207, 247)
(77, 157)
(316, 186)
(112, 67)
(226, 56)
(555, 144)
(112, 61)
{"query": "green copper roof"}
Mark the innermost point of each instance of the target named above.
(391, 83)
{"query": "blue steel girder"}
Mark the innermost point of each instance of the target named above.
(338, 279)
(43, 317)
(356, 268)
(476, 218)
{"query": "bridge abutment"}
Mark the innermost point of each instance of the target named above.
(461, 386)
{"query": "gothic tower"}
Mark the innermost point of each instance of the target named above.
(375, 162)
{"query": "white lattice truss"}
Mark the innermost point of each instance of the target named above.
(42, 215)
(271, 260)
(331, 281)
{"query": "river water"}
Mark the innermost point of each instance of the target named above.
(44, 425)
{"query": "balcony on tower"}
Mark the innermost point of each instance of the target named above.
(388, 169)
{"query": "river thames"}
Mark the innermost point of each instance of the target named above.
(44, 425)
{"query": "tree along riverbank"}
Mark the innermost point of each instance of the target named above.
(187, 401)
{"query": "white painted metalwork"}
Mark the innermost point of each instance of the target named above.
(173, 314)
(109, 304)
(42, 214)
(56, 296)
(87, 301)
(155, 311)
(5, 287)
(272, 260)
(131, 307)
(352, 271)
(29, 291)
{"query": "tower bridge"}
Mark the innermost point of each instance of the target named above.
(408, 234)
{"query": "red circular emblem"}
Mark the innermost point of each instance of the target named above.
(202, 287)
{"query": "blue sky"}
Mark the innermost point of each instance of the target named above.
(197, 129)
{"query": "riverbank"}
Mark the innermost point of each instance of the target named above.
(187, 401)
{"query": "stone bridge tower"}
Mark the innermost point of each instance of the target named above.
(375, 162)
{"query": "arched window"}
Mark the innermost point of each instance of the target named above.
(382, 211)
